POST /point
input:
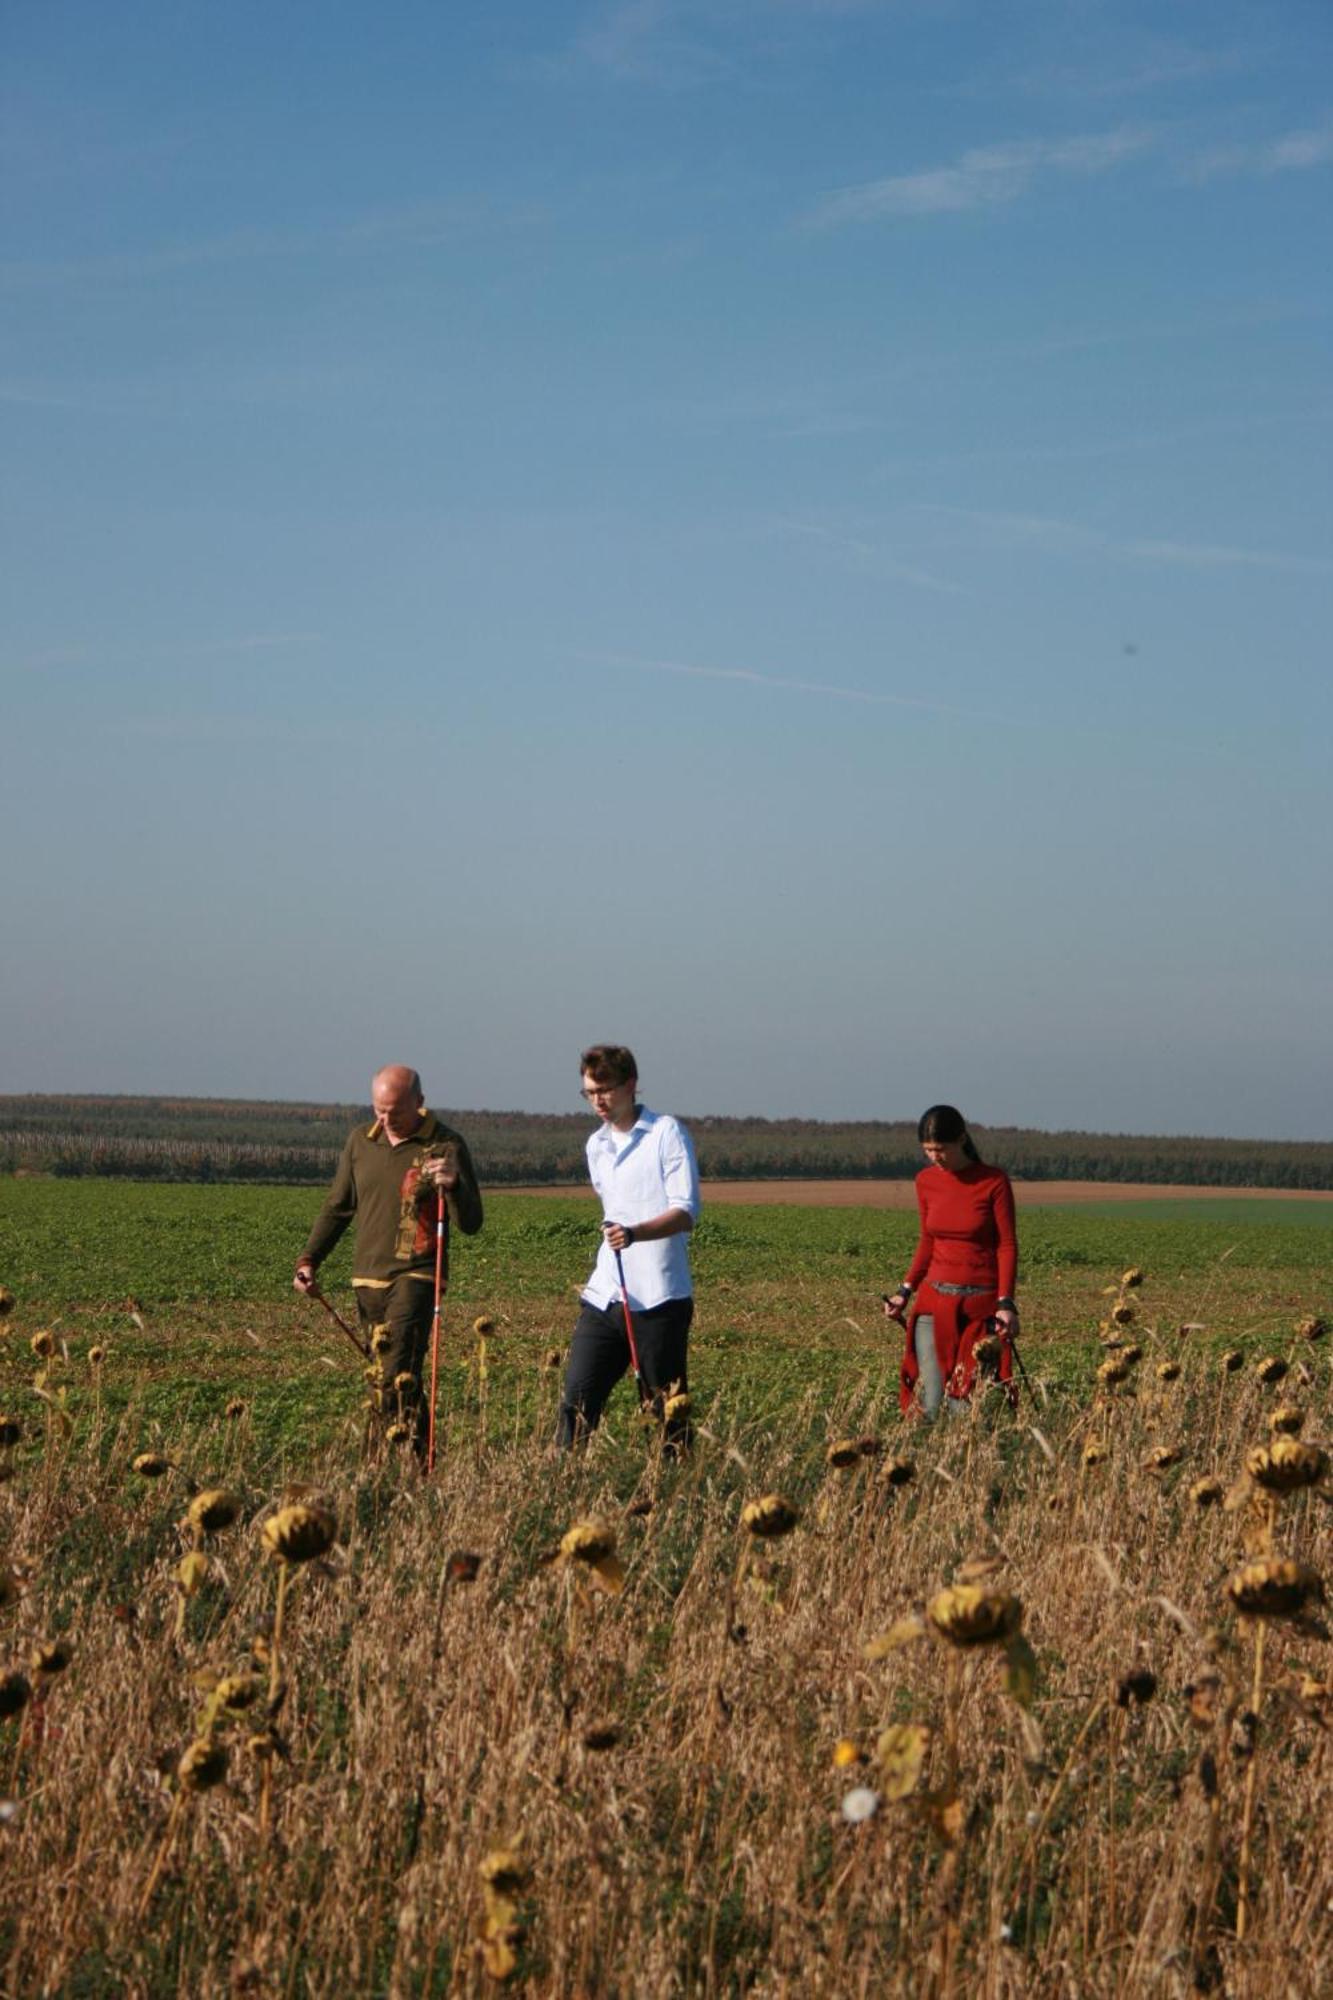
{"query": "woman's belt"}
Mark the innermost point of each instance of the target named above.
(959, 1291)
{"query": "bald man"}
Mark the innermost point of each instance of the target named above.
(390, 1180)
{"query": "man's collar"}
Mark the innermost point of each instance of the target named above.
(427, 1129)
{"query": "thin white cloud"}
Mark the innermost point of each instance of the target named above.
(980, 178)
(1294, 152)
(1047, 535)
(785, 684)
(1204, 555)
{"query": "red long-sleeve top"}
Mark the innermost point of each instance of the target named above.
(968, 1235)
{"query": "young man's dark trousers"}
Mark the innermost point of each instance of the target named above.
(599, 1355)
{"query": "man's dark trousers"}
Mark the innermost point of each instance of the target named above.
(599, 1355)
(398, 1318)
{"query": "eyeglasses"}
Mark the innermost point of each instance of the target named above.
(601, 1090)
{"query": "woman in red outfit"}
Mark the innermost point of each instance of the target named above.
(964, 1270)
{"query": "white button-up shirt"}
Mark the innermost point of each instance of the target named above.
(639, 1174)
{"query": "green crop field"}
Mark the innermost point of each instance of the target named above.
(713, 1761)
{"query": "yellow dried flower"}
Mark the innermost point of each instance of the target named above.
(1287, 1420)
(1133, 1354)
(96, 1356)
(590, 1541)
(504, 1870)
(1311, 1327)
(1168, 1371)
(1094, 1451)
(213, 1510)
(43, 1342)
(843, 1452)
(203, 1765)
(898, 1472)
(1121, 1315)
(404, 1379)
(676, 1408)
(238, 1691)
(1271, 1369)
(1232, 1361)
(1275, 1589)
(966, 1615)
(845, 1754)
(769, 1517)
(299, 1533)
(192, 1574)
(1163, 1456)
(398, 1433)
(151, 1465)
(601, 1735)
(15, 1693)
(1132, 1278)
(483, 1324)
(1207, 1492)
(381, 1338)
(1286, 1465)
(51, 1657)
(1114, 1370)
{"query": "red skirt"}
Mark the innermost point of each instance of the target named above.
(960, 1322)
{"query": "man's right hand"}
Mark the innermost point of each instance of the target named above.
(304, 1279)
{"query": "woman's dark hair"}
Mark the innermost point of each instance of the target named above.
(943, 1125)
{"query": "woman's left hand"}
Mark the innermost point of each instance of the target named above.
(1006, 1318)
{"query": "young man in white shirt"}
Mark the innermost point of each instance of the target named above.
(642, 1165)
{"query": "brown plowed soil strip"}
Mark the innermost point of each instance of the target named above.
(902, 1194)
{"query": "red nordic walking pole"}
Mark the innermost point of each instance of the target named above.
(435, 1322)
(629, 1325)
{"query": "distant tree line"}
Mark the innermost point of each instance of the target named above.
(204, 1139)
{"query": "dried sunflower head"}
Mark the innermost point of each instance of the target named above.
(152, 1464)
(1286, 1465)
(966, 1615)
(15, 1693)
(1271, 1369)
(769, 1516)
(1232, 1361)
(1132, 1278)
(1287, 1420)
(404, 1380)
(590, 1541)
(1311, 1327)
(43, 1343)
(299, 1533)
(398, 1433)
(898, 1471)
(235, 1408)
(1207, 1492)
(676, 1408)
(1274, 1588)
(1168, 1371)
(843, 1452)
(238, 1691)
(51, 1657)
(1138, 1685)
(11, 1430)
(483, 1324)
(7, 1302)
(202, 1766)
(504, 1870)
(381, 1338)
(1094, 1451)
(1121, 1315)
(96, 1356)
(213, 1510)
(1114, 1370)
(1163, 1456)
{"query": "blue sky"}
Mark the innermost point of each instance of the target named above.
(793, 533)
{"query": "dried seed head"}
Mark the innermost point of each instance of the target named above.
(843, 1452)
(966, 1615)
(676, 1408)
(860, 1804)
(483, 1324)
(398, 1433)
(192, 1574)
(462, 1566)
(1138, 1685)
(1133, 1354)
(1168, 1371)
(1287, 1420)
(51, 1657)
(1232, 1361)
(898, 1471)
(263, 1745)
(1311, 1327)
(769, 1516)
(238, 1691)
(9, 1589)
(601, 1735)
(1113, 1370)
(1094, 1451)
(1274, 1589)
(404, 1379)
(1132, 1278)
(151, 1465)
(7, 1302)
(15, 1693)
(11, 1430)
(504, 1870)
(1207, 1492)
(299, 1533)
(1271, 1369)
(1121, 1314)
(203, 1765)
(235, 1408)
(552, 1358)
(1286, 1465)
(43, 1342)
(96, 1356)
(213, 1510)
(381, 1337)
(590, 1541)
(1163, 1456)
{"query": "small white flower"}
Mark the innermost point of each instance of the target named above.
(1032, 1817)
(860, 1804)
(1006, 1933)
(9, 1811)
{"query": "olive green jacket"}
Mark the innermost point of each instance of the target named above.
(379, 1186)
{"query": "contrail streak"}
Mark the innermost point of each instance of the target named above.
(870, 697)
